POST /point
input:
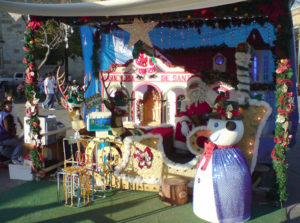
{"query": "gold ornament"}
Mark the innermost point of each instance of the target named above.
(280, 119)
(139, 31)
(284, 88)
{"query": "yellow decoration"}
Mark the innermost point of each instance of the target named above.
(188, 17)
(251, 142)
(139, 31)
(250, 130)
(31, 42)
(70, 183)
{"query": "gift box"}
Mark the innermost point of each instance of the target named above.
(20, 172)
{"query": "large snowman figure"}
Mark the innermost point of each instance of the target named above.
(222, 186)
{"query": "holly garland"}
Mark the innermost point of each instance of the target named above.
(285, 106)
(32, 92)
(37, 158)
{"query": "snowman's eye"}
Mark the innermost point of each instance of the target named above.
(216, 125)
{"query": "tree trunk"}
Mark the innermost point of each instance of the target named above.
(45, 59)
(174, 191)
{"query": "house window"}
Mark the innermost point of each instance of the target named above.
(179, 100)
(219, 60)
(254, 71)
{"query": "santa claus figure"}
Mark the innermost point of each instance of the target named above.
(199, 100)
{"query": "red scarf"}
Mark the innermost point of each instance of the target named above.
(209, 150)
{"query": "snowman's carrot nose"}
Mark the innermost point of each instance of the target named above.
(203, 133)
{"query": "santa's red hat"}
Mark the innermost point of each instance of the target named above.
(194, 77)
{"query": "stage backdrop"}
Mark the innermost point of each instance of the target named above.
(113, 50)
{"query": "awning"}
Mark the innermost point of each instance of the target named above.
(109, 7)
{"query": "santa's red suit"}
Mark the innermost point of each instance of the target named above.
(199, 101)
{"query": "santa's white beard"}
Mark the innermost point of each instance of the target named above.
(196, 95)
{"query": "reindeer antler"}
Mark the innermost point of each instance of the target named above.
(103, 80)
(61, 79)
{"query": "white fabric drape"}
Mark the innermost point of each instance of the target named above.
(109, 7)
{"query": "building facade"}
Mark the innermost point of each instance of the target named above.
(12, 54)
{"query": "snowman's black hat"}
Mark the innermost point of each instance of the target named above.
(226, 110)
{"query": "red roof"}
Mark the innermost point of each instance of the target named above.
(256, 41)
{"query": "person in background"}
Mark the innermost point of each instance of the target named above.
(9, 97)
(75, 84)
(41, 85)
(49, 91)
(56, 92)
(11, 146)
(21, 88)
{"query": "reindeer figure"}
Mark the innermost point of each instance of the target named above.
(72, 99)
(117, 105)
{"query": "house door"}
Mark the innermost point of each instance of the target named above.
(148, 110)
(152, 107)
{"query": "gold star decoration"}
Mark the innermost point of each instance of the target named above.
(139, 31)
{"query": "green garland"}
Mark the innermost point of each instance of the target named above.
(32, 91)
(285, 105)
(37, 164)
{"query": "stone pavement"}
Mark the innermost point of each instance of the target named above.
(293, 158)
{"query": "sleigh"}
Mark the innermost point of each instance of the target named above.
(142, 162)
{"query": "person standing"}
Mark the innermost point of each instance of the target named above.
(49, 91)
(56, 92)
(12, 146)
